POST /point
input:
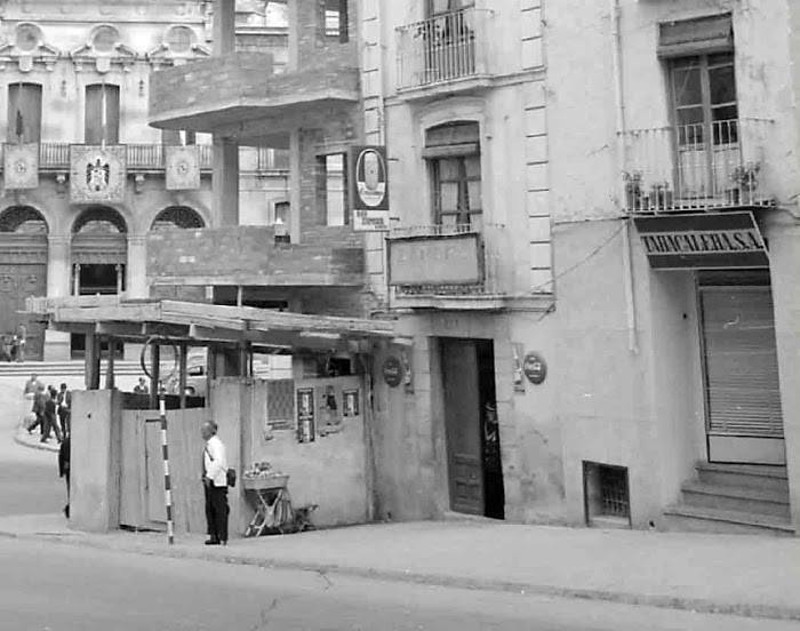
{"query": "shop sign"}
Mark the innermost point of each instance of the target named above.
(369, 188)
(452, 259)
(392, 371)
(535, 368)
(703, 241)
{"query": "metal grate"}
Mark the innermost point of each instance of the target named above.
(614, 498)
(280, 403)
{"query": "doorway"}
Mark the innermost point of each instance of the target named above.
(475, 471)
(744, 419)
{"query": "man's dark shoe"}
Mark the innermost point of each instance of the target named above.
(212, 542)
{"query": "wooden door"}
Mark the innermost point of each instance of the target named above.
(23, 273)
(462, 423)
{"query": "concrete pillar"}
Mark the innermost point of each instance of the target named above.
(58, 270)
(96, 460)
(59, 277)
(783, 239)
(225, 181)
(224, 27)
(136, 281)
(295, 230)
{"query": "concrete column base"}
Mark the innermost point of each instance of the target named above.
(56, 346)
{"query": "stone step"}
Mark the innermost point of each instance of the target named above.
(764, 477)
(741, 499)
(700, 519)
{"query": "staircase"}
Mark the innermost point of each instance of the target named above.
(735, 499)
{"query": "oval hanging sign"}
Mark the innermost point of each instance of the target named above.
(392, 371)
(535, 368)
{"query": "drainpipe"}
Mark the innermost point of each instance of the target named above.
(619, 93)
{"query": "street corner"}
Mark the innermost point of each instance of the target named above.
(37, 525)
(33, 440)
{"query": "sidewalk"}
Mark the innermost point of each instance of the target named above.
(734, 574)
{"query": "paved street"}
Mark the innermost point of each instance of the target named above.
(65, 588)
(29, 481)
(64, 580)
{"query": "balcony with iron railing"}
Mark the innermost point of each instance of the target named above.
(150, 157)
(698, 167)
(455, 266)
(442, 49)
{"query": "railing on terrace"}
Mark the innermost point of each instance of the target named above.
(150, 156)
(442, 48)
(697, 167)
(493, 245)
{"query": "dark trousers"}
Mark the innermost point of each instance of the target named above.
(217, 511)
(49, 425)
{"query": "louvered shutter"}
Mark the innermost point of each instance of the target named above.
(742, 385)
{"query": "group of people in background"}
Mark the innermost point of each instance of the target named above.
(51, 409)
(12, 346)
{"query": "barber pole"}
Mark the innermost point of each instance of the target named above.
(165, 453)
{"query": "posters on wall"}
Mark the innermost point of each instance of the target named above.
(369, 188)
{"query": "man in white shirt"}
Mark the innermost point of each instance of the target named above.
(215, 468)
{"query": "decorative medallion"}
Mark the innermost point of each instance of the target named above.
(97, 174)
(183, 167)
(21, 166)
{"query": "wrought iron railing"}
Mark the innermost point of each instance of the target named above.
(496, 268)
(697, 167)
(442, 48)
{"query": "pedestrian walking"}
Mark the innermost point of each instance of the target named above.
(215, 483)
(51, 424)
(64, 455)
(38, 408)
(32, 385)
(64, 408)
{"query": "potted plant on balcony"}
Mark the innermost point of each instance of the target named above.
(745, 183)
(633, 190)
(661, 197)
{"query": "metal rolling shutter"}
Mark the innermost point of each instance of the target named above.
(742, 387)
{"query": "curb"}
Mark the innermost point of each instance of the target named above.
(33, 443)
(695, 605)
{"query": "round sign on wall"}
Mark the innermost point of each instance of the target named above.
(535, 368)
(392, 371)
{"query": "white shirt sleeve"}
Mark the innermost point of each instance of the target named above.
(216, 462)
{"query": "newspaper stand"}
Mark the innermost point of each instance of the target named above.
(270, 498)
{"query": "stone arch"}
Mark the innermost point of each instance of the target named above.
(100, 219)
(178, 217)
(23, 219)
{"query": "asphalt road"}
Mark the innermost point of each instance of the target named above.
(49, 586)
(58, 587)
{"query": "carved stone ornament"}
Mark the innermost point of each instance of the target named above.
(97, 174)
(21, 166)
(183, 168)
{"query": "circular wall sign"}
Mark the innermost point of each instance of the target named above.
(535, 368)
(392, 371)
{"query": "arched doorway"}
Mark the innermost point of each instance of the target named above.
(177, 217)
(23, 273)
(99, 255)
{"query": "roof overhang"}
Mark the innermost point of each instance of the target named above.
(201, 324)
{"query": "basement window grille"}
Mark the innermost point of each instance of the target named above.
(606, 494)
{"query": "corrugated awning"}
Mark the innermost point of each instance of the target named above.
(711, 34)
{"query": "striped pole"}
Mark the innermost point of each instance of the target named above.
(162, 408)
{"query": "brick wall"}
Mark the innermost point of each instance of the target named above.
(334, 256)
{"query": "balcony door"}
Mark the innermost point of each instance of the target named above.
(450, 40)
(707, 125)
(102, 114)
(24, 112)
